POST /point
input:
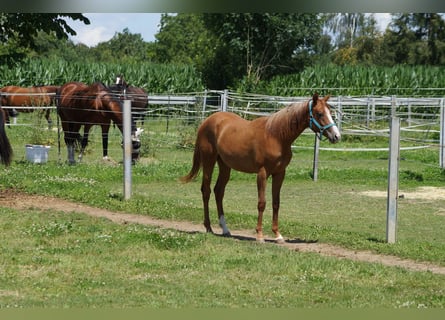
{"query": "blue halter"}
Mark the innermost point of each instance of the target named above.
(315, 122)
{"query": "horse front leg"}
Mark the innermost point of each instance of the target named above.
(84, 141)
(105, 129)
(70, 133)
(48, 119)
(277, 182)
(261, 186)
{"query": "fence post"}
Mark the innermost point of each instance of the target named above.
(393, 180)
(393, 106)
(168, 113)
(316, 155)
(127, 148)
(442, 134)
(204, 104)
(340, 114)
(367, 113)
(224, 101)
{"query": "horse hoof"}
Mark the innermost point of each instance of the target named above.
(279, 240)
(226, 234)
(260, 240)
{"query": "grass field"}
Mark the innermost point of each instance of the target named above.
(51, 259)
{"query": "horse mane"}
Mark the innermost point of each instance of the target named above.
(284, 122)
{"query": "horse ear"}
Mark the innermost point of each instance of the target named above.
(326, 98)
(315, 98)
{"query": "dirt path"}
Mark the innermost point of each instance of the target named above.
(20, 201)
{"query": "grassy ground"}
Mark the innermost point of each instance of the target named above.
(50, 259)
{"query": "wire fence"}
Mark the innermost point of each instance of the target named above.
(172, 120)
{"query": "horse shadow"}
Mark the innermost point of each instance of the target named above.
(267, 240)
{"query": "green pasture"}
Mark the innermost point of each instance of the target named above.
(52, 259)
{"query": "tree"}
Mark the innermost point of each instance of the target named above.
(355, 36)
(19, 30)
(183, 39)
(258, 46)
(415, 38)
(345, 27)
(124, 46)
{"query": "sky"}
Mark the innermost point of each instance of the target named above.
(103, 26)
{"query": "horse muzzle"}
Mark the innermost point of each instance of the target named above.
(135, 149)
(333, 134)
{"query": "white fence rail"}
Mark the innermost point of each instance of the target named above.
(354, 115)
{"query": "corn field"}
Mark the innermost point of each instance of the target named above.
(156, 78)
(421, 81)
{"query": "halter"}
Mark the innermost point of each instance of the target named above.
(315, 122)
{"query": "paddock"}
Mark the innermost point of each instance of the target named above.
(146, 265)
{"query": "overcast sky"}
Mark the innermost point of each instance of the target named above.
(103, 26)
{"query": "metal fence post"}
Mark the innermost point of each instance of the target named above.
(339, 113)
(316, 157)
(393, 180)
(127, 148)
(224, 101)
(442, 134)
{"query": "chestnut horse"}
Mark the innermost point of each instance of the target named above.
(36, 96)
(137, 96)
(5, 145)
(261, 146)
(87, 105)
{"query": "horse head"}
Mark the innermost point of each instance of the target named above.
(120, 81)
(136, 143)
(320, 119)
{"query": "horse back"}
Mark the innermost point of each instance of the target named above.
(87, 103)
(17, 96)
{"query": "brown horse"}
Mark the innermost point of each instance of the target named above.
(261, 146)
(36, 96)
(87, 105)
(5, 145)
(137, 96)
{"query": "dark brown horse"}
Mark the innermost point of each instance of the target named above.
(22, 97)
(261, 146)
(88, 105)
(5, 145)
(137, 96)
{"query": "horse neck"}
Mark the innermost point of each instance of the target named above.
(114, 109)
(290, 122)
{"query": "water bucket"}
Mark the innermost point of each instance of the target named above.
(37, 153)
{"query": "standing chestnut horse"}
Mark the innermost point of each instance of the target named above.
(87, 105)
(5, 146)
(261, 146)
(22, 97)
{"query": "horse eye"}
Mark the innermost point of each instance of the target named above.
(319, 114)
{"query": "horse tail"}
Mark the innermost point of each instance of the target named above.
(5, 145)
(195, 167)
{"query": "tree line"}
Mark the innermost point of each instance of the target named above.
(238, 50)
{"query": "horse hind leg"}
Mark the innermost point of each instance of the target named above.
(83, 145)
(208, 163)
(48, 119)
(219, 190)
